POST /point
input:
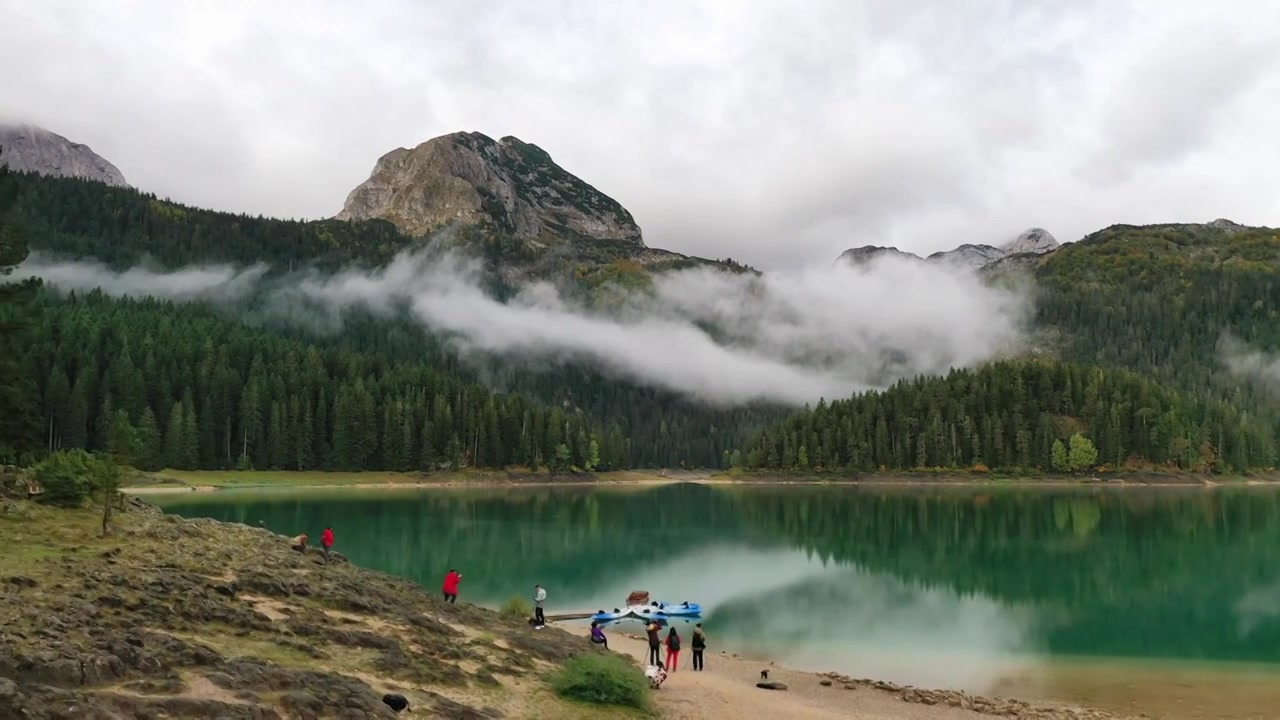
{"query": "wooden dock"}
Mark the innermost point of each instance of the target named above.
(569, 616)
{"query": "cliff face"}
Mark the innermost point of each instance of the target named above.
(471, 179)
(32, 149)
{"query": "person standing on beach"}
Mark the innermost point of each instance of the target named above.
(539, 596)
(654, 644)
(326, 542)
(673, 648)
(450, 586)
(699, 644)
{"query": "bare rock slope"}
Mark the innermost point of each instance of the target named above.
(33, 149)
(468, 179)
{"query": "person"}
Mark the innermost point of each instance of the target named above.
(652, 630)
(299, 543)
(597, 635)
(451, 585)
(656, 674)
(673, 648)
(326, 542)
(699, 644)
(539, 596)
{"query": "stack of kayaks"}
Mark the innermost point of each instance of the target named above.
(683, 609)
(654, 611)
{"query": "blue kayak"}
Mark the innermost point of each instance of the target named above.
(682, 609)
(632, 612)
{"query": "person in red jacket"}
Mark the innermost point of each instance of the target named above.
(326, 542)
(451, 585)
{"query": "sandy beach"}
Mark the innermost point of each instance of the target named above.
(727, 689)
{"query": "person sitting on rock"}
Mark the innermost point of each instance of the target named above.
(299, 543)
(597, 635)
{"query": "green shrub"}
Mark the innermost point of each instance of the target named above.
(516, 607)
(65, 477)
(602, 679)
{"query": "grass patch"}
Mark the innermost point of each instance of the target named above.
(602, 679)
(516, 608)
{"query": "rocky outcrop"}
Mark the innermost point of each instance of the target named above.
(29, 148)
(1033, 242)
(469, 179)
(997, 706)
(1036, 241)
(199, 619)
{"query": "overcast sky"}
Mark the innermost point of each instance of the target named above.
(772, 132)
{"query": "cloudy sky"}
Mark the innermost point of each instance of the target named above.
(744, 129)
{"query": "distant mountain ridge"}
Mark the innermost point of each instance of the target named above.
(1032, 242)
(28, 148)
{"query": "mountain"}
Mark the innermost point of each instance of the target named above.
(1173, 323)
(1032, 242)
(28, 148)
(508, 185)
(528, 217)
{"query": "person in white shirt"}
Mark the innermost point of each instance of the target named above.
(539, 595)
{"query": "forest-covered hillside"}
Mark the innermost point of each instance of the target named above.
(1019, 415)
(1154, 300)
(635, 425)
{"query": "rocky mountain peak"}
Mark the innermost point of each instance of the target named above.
(468, 178)
(28, 148)
(1034, 240)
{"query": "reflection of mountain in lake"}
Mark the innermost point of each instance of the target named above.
(1133, 573)
(1130, 573)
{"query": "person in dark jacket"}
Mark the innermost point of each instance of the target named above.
(699, 644)
(655, 644)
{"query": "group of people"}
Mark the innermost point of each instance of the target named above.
(299, 542)
(699, 645)
(657, 669)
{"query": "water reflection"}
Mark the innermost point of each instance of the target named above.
(962, 589)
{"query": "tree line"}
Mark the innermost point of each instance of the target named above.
(205, 392)
(1022, 415)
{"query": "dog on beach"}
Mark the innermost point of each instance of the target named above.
(764, 674)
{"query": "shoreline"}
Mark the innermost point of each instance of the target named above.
(657, 481)
(727, 688)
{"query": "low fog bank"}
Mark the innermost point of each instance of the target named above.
(1248, 362)
(786, 338)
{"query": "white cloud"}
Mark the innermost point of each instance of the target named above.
(789, 337)
(729, 129)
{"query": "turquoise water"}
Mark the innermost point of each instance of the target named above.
(963, 588)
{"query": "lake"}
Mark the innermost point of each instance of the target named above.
(1161, 600)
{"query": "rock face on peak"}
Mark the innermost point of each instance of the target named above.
(471, 179)
(1035, 241)
(29, 148)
